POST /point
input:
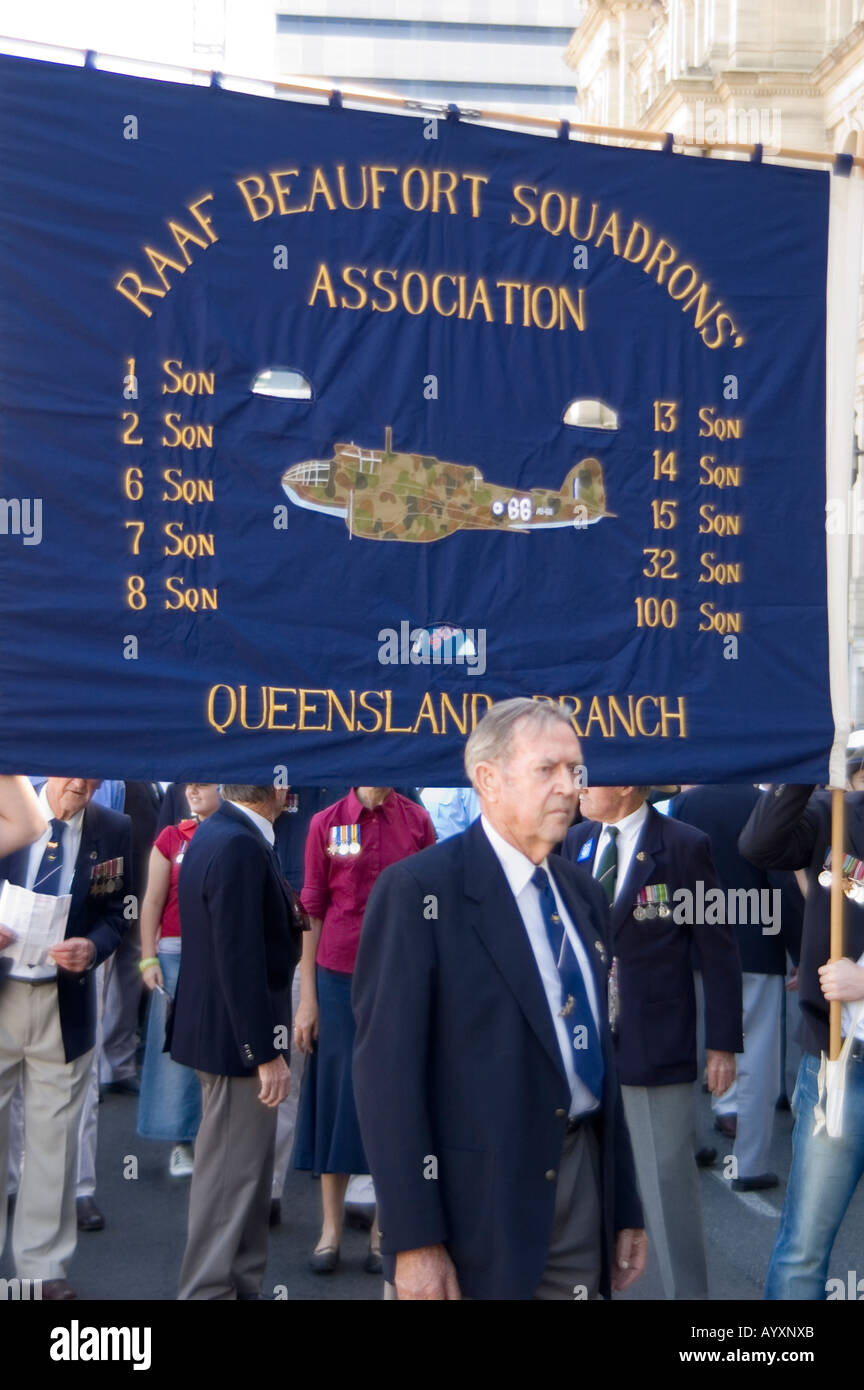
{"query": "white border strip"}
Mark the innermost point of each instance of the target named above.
(845, 230)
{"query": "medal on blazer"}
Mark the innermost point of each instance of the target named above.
(852, 875)
(613, 998)
(652, 901)
(292, 803)
(106, 877)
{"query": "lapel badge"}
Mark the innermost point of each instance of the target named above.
(568, 1007)
(598, 946)
(92, 854)
(641, 856)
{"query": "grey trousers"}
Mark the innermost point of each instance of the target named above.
(753, 1093)
(229, 1198)
(572, 1269)
(660, 1121)
(122, 995)
(286, 1114)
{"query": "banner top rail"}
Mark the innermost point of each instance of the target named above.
(668, 140)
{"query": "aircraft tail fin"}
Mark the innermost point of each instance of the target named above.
(584, 485)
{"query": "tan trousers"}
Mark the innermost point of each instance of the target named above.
(45, 1230)
(229, 1199)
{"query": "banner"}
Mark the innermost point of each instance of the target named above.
(320, 430)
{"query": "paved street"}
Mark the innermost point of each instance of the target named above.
(138, 1254)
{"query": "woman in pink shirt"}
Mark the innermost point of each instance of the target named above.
(348, 845)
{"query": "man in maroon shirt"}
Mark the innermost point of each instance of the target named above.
(347, 847)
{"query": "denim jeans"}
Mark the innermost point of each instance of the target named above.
(822, 1179)
(169, 1106)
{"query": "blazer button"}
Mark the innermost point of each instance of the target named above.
(560, 1114)
(550, 1175)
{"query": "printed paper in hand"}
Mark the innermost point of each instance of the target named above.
(38, 921)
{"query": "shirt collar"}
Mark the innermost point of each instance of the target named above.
(630, 824)
(73, 825)
(518, 868)
(260, 822)
(355, 807)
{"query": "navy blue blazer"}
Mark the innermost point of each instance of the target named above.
(241, 943)
(99, 916)
(460, 1088)
(791, 829)
(721, 812)
(657, 1024)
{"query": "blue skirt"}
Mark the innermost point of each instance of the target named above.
(169, 1106)
(328, 1133)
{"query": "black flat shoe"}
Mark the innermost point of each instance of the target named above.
(89, 1216)
(373, 1264)
(128, 1086)
(324, 1261)
(760, 1183)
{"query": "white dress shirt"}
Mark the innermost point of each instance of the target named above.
(518, 869)
(260, 822)
(71, 846)
(629, 829)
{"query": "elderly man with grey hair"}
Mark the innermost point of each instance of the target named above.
(484, 1070)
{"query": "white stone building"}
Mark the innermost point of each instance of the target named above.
(779, 72)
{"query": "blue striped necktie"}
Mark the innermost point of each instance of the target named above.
(50, 871)
(587, 1052)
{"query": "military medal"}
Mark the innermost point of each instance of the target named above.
(354, 841)
(652, 901)
(614, 1002)
(852, 875)
(292, 803)
(568, 1007)
(341, 840)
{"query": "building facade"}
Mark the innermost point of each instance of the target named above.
(476, 53)
(744, 71)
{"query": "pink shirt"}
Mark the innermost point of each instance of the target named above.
(337, 886)
(172, 843)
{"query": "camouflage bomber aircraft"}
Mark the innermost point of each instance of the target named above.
(388, 496)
